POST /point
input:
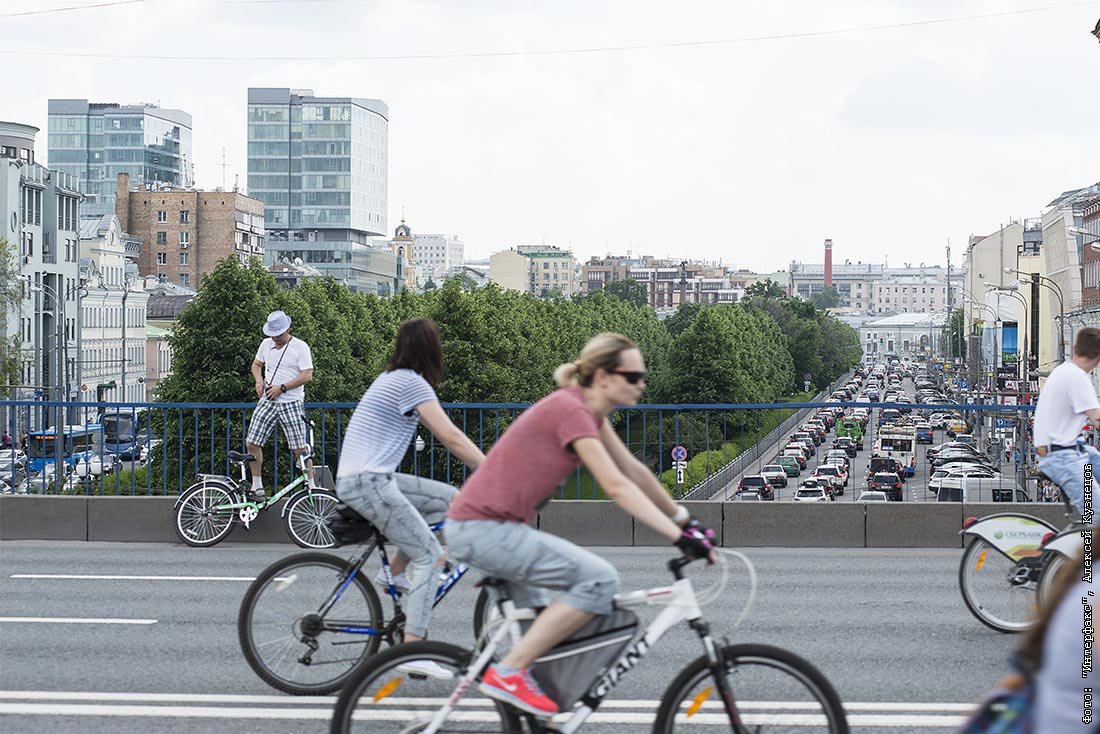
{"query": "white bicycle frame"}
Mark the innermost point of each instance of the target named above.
(680, 605)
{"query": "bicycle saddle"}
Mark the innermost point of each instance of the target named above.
(241, 457)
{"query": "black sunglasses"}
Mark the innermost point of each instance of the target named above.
(632, 377)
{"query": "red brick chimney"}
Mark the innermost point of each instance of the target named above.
(828, 263)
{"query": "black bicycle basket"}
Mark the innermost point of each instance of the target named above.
(349, 527)
(569, 669)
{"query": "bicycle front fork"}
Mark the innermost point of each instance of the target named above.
(719, 670)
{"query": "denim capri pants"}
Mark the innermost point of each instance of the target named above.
(531, 561)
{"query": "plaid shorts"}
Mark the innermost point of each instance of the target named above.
(289, 414)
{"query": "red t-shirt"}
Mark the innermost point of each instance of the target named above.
(529, 462)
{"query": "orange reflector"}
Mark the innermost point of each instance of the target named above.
(387, 689)
(699, 699)
(981, 560)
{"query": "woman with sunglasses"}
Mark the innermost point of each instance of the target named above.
(488, 525)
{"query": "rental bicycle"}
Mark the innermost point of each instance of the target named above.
(310, 620)
(1011, 561)
(208, 510)
(744, 688)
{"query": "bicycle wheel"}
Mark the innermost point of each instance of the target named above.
(1052, 569)
(381, 699)
(281, 624)
(997, 590)
(307, 516)
(775, 691)
(198, 521)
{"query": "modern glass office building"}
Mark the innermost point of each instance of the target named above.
(94, 142)
(320, 165)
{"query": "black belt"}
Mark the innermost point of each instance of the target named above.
(1044, 450)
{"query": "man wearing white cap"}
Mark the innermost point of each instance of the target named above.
(282, 367)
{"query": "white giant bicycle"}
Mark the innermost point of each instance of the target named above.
(741, 688)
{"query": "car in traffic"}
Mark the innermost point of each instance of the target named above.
(811, 490)
(746, 496)
(871, 495)
(832, 470)
(889, 483)
(756, 483)
(775, 474)
(966, 438)
(955, 478)
(956, 426)
(789, 464)
(924, 433)
(846, 445)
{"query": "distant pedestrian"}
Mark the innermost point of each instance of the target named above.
(5, 440)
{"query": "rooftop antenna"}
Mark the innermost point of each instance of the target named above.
(223, 169)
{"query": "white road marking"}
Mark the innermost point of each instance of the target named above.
(783, 713)
(75, 620)
(104, 577)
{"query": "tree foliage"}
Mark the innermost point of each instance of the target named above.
(829, 297)
(628, 290)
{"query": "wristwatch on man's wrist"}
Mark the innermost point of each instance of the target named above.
(282, 388)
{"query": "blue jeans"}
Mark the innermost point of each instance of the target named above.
(1067, 469)
(401, 506)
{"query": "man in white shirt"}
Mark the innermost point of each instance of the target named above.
(1067, 400)
(283, 365)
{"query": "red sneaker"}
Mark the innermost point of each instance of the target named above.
(520, 690)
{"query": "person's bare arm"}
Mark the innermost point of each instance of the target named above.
(635, 470)
(623, 492)
(258, 375)
(435, 418)
(1094, 417)
(273, 391)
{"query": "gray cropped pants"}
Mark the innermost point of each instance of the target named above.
(401, 506)
(531, 560)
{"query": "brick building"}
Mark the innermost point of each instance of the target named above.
(185, 233)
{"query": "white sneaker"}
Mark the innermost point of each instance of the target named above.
(400, 581)
(426, 668)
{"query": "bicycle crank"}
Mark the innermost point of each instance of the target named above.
(247, 515)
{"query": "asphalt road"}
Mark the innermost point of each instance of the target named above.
(887, 627)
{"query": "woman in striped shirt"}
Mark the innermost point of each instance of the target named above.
(402, 505)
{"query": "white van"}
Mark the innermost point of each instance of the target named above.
(981, 489)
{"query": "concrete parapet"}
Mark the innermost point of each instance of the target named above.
(794, 525)
(588, 522)
(708, 513)
(30, 517)
(914, 524)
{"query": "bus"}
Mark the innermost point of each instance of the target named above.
(81, 443)
(898, 442)
(125, 430)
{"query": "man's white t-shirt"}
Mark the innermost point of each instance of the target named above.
(1060, 415)
(298, 358)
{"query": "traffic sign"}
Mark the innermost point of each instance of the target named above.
(1004, 422)
(679, 476)
(807, 377)
(679, 453)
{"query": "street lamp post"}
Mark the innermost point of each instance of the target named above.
(1053, 287)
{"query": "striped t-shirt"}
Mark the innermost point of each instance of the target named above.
(383, 424)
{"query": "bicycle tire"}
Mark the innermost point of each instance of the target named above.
(288, 612)
(994, 590)
(197, 523)
(756, 684)
(307, 515)
(361, 706)
(1052, 569)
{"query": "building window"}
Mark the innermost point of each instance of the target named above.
(162, 258)
(185, 279)
(184, 258)
(162, 216)
(162, 238)
(185, 239)
(185, 216)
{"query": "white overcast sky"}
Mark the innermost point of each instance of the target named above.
(888, 141)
